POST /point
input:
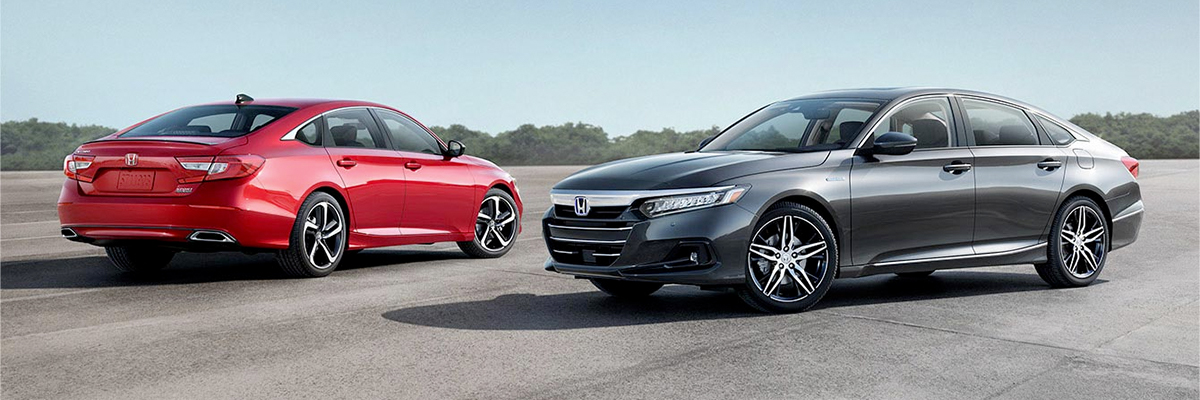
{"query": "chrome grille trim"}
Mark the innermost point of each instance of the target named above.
(610, 242)
(617, 198)
(588, 228)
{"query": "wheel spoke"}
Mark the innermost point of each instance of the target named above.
(801, 284)
(310, 225)
(1079, 227)
(768, 257)
(312, 254)
(336, 230)
(506, 221)
(500, 237)
(483, 217)
(764, 247)
(820, 247)
(1074, 261)
(325, 249)
(1067, 236)
(1089, 258)
(789, 233)
(774, 280)
(1093, 235)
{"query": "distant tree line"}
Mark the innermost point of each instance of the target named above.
(1146, 135)
(569, 144)
(37, 145)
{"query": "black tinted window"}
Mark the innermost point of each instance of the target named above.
(309, 134)
(999, 125)
(407, 135)
(354, 128)
(1057, 133)
(218, 120)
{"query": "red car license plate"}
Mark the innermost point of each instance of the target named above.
(135, 181)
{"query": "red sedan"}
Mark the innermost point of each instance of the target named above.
(310, 180)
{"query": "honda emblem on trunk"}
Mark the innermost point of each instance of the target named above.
(581, 206)
(131, 159)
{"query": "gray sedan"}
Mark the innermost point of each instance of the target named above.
(851, 183)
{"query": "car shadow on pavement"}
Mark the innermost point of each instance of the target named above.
(592, 309)
(188, 268)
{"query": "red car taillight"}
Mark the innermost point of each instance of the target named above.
(199, 169)
(75, 167)
(1131, 164)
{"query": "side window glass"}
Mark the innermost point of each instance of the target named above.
(1057, 133)
(407, 135)
(846, 125)
(927, 120)
(999, 125)
(309, 134)
(354, 128)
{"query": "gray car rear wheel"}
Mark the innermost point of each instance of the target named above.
(1078, 244)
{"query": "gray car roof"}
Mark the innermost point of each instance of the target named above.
(901, 93)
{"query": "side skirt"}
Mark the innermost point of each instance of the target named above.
(1026, 255)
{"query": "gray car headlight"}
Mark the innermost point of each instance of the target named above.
(693, 201)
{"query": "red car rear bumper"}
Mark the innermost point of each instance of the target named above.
(251, 216)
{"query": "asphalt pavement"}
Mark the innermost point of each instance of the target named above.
(427, 322)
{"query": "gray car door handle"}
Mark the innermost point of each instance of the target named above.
(1050, 164)
(956, 167)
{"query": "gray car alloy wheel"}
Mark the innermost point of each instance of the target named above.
(787, 258)
(494, 227)
(1083, 242)
(324, 234)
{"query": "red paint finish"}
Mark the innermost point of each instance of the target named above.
(155, 189)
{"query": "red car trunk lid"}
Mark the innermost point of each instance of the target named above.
(145, 167)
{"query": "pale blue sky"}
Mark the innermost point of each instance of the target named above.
(622, 65)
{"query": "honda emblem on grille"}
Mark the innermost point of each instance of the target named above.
(581, 206)
(131, 159)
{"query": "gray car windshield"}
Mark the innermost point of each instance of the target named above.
(797, 126)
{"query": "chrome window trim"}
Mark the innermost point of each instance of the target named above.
(615, 198)
(291, 135)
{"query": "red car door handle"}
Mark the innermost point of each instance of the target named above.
(413, 165)
(347, 163)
